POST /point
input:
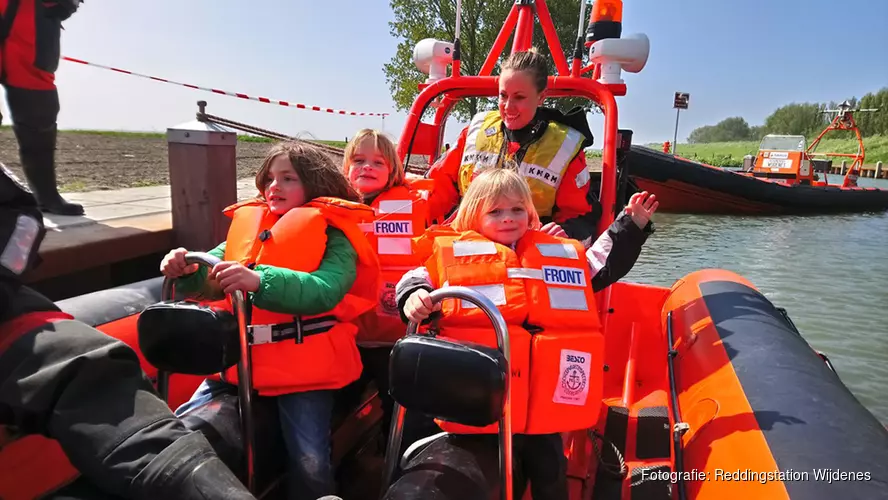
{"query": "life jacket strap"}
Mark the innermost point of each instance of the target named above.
(296, 330)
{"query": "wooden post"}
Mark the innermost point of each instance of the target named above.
(844, 166)
(203, 181)
(878, 173)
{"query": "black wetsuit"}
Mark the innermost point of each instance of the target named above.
(67, 381)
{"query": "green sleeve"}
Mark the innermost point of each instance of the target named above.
(295, 292)
(195, 283)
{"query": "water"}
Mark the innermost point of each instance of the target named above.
(830, 273)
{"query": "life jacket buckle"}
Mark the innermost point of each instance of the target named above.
(262, 334)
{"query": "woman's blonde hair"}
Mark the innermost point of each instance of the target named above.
(486, 190)
(315, 168)
(384, 146)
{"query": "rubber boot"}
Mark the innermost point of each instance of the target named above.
(188, 470)
(37, 153)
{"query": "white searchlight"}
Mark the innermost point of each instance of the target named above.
(432, 57)
(620, 54)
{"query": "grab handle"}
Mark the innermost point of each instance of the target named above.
(505, 422)
(244, 366)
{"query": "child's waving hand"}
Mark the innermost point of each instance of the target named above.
(641, 207)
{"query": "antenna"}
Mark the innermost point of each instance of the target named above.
(455, 68)
(845, 107)
(580, 44)
(844, 120)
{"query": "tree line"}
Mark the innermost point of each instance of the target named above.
(807, 119)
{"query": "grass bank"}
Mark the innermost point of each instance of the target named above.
(730, 154)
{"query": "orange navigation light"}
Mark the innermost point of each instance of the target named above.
(605, 21)
(607, 10)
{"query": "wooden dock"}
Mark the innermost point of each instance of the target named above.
(119, 240)
(870, 171)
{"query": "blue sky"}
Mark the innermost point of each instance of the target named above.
(734, 57)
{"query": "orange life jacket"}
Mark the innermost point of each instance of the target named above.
(328, 357)
(543, 291)
(402, 213)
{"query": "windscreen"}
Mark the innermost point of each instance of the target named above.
(783, 143)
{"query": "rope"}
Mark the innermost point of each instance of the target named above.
(618, 472)
(252, 129)
(204, 117)
(239, 95)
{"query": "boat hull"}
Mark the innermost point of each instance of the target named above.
(684, 186)
(767, 417)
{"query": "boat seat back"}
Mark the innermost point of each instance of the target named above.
(458, 382)
(821, 165)
(188, 337)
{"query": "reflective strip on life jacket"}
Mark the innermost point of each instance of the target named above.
(559, 298)
(562, 250)
(469, 248)
(297, 330)
(392, 237)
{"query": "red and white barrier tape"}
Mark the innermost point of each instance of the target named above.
(225, 92)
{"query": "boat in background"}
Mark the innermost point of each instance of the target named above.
(701, 390)
(783, 177)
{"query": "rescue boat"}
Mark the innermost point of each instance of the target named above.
(786, 176)
(707, 388)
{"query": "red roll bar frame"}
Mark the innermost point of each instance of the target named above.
(452, 88)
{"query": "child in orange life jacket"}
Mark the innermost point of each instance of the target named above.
(498, 208)
(299, 251)
(401, 212)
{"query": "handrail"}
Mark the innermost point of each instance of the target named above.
(244, 366)
(505, 422)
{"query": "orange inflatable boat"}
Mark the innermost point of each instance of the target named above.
(707, 390)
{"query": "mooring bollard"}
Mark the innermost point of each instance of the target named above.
(878, 173)
(203, 181)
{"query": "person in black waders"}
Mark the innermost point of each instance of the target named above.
(30, 50)
(67, 381)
